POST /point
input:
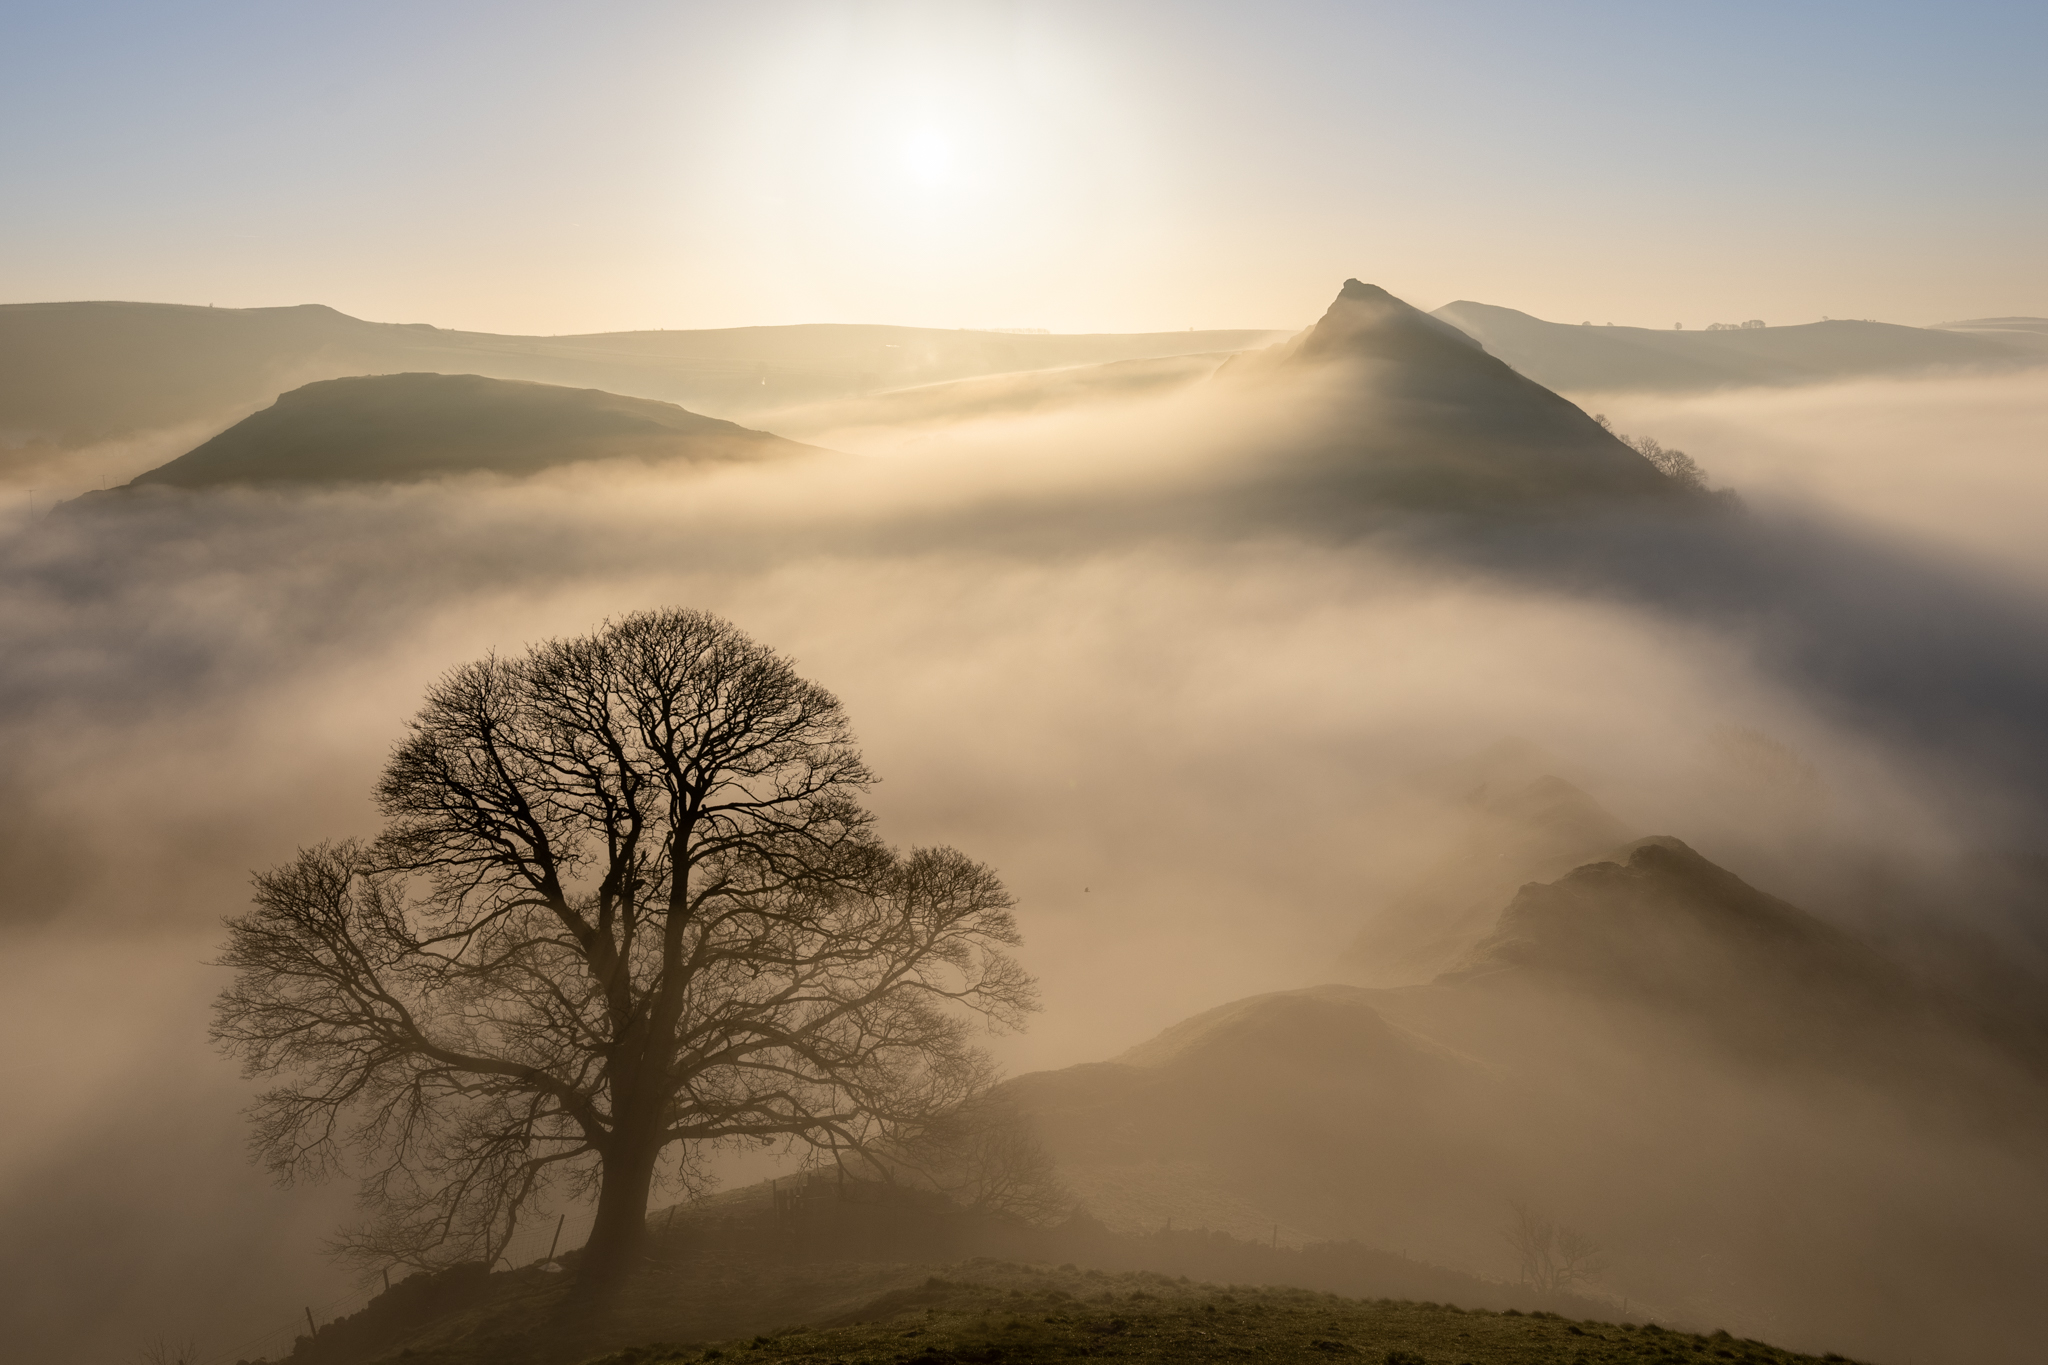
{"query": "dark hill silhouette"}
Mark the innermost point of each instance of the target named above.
(1656, 916)
(399, 427)
(1399, 407)
(1618, 359)
(82, 372)
(1694, 1071)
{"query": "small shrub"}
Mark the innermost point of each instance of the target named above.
(1404, 1358)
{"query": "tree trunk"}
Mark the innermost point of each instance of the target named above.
(619, 1235)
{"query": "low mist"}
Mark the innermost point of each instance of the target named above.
(1204, 751)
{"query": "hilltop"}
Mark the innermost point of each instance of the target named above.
(1388, 405)
(1031, 1314)
(825, 1251)
(400, 427)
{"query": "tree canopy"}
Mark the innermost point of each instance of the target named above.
(626, 901)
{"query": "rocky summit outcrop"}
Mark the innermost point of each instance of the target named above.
(1397, 407)
(404, 427)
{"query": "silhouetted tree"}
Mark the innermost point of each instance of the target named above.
(626, 898)
(1675, 465)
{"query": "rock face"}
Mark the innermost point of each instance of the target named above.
(1401, 408)
(400, 427)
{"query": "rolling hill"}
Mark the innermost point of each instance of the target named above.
(2024, 334)
(1694, 1072)
(95, 371)
(1605, 359)
(402, 427)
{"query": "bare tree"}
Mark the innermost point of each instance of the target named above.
(1553, 1259)
(984, 1154)
(626, 898)
(1675, 465)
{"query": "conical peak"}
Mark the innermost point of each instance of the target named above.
(1360, 291)
(1366, 320)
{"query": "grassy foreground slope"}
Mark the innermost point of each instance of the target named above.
(731, 1267)
(1017, 1314)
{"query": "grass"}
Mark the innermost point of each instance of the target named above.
(1020, 1315)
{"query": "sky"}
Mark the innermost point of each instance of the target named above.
(532, 168)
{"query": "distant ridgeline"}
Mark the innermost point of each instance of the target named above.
(1376, 406)
(82, 372)
(1582, 357)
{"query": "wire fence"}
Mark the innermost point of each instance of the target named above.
(535, 1241)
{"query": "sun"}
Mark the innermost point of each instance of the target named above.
(927, 156)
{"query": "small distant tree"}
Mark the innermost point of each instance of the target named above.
(626, 898)
(1675, 465)
(983, 1154)
(1553, 1259)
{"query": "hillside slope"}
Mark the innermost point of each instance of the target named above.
(1589, 359)
(1028, 1314)
(1690, 1070)
(1388, 405)
(751, 1261)
(400, 427)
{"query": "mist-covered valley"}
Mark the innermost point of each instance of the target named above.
(1315, 701)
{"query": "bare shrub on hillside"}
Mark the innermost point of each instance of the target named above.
(1553, 1259)
(984, 1155)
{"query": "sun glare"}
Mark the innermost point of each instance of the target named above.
(927, 156)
